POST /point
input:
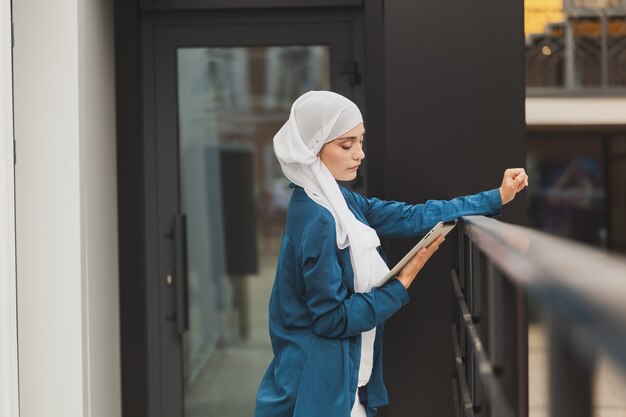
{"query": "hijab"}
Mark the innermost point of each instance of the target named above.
(316, 118)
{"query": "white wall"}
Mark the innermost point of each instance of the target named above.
(9, 406)
(66, 209)
(575, 111)
(99, 205)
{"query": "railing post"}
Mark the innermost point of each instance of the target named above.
(478, 311)
(495, 319)
(570, 376)
(514, 339)
(521, 327)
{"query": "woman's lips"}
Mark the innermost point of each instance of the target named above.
(356, 167)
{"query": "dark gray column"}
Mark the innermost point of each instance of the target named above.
(454, 120)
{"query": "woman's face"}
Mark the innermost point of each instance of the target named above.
(343, 155)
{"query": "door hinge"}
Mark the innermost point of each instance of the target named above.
(12, 35)
(351, 69)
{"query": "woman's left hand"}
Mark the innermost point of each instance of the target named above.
(514, 181)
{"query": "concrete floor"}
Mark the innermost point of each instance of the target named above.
(227, 386)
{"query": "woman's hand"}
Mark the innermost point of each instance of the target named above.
(514, 181)
(410, 270)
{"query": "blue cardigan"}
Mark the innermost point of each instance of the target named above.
(315, 317)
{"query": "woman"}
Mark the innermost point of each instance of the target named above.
(326, 319)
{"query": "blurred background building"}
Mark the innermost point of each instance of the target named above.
(576, 156)
(143, 207)
(575, 79)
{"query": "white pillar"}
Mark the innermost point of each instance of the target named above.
(66, 209)
(9, 406)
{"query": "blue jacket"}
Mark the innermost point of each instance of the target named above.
(315, 317)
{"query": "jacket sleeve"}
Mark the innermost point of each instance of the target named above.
(334, 311)
(396, 219)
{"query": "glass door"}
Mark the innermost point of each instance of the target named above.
(222, 92)
(230, 103)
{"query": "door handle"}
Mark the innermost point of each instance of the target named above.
(180, 272)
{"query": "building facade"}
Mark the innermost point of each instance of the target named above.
(135, 282)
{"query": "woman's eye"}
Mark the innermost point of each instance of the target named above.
(346, 147)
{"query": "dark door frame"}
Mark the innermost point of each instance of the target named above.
(342, 30)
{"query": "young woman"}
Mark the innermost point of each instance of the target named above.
(325, 316)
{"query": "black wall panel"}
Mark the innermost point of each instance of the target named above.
(130, 181)
(454, 108)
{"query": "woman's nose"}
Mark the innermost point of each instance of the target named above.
(360, 154)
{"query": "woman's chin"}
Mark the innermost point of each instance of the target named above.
(348, 177)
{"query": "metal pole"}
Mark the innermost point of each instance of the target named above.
(521, 318)
(570, 378)
(570, 47)
(496, 324)
(604, 48)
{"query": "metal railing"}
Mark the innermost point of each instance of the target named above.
(580, 293)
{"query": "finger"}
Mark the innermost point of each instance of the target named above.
(437, 241)
(520, 173)
(418, 260)
(509, 182)
(514, 172)
(423, 254)
(435, 245)
(521, 182)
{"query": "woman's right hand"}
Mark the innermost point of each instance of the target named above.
(410, 270)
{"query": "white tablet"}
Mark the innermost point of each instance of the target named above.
(440, 229)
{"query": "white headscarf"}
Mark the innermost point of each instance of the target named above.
(317, 118)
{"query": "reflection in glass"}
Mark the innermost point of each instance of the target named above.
(231, 103)
(568, 197)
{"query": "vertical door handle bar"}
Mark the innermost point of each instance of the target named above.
(180, 277)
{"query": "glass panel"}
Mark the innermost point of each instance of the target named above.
(231, 103)
(617, 161)
(568, 196)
